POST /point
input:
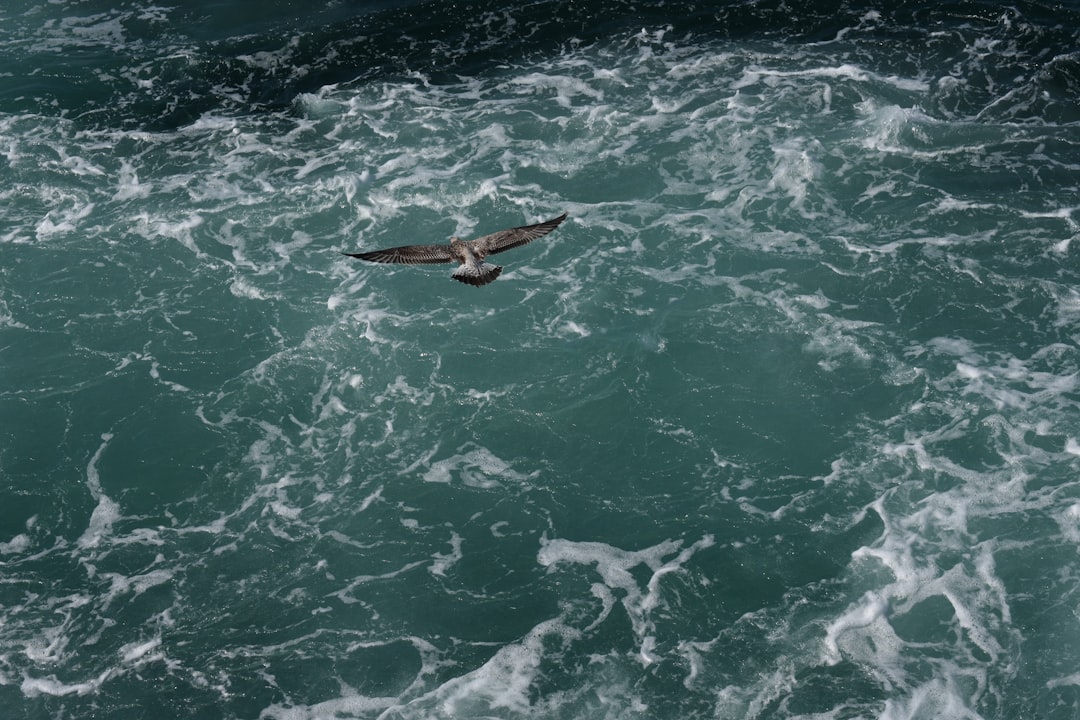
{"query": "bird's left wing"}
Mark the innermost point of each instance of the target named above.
(408, 255)
(515, 237)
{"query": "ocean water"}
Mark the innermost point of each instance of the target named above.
(783, 422)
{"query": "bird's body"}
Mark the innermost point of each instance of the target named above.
(469, 254)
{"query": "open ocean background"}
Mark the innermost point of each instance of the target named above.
(783, 422)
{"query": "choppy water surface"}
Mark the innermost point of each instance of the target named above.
(781, 423)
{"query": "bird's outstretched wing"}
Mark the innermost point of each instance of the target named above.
(408, 255)
(515, 237)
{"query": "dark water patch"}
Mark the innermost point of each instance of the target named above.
(139, 66)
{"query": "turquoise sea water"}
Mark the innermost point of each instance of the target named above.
(783, 422)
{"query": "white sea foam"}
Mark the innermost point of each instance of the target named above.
(107, 511)
(504, 682)
(128, 185)
(17, 544)
(134, 584)
(240, 287)
(139, 652)
(34, 687)
(847, 71)
(614, 566)
(180, 230)
(931, 548)
(476, 467)
(444, 561)
(58, 222)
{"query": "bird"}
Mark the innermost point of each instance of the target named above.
(469, 254)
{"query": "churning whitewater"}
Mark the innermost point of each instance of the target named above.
(782, 423)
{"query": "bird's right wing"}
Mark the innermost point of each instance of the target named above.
(408, 255)
(515, 237)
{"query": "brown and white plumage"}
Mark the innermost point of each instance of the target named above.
(469, 254)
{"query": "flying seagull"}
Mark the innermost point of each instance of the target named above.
(469, 254)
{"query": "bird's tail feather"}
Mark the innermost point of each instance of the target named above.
(471, 275)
